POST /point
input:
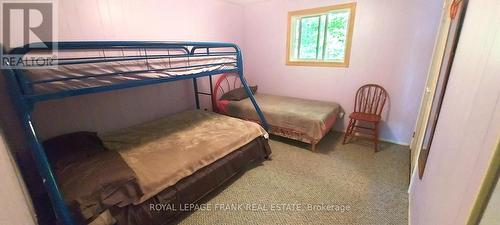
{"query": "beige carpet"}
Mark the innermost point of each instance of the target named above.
(283, 190)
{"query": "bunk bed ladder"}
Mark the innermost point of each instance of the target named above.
(197, 92)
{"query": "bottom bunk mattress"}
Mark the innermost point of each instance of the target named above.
(162, 152)
(178, 159)
(171, 204)
(301, 119)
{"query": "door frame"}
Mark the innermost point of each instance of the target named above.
(445, 47)
(430, 86)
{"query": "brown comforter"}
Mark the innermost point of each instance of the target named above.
(310, 117)
(149, 158)
(192, 189)
(163, 151)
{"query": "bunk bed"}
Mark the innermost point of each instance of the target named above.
(194, 163)
(304, 120)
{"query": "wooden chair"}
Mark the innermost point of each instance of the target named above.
(368, 105)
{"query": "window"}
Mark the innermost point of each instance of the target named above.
(320, 36)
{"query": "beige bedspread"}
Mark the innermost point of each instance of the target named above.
(163, 151)
(310, 117)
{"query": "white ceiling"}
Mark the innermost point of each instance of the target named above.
(244, 2)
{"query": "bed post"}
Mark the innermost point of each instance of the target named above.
(49, 181)
(25, 108)
(247, 88)
(211, 93)
(196, 97)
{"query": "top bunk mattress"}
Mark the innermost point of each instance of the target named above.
(120, 66)
(310, 117)
(162, 152)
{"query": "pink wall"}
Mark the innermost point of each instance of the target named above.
(392, 46)
(196, 20)
(468, 129)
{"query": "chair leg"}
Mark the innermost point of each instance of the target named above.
(313, 147)
(348, 131)
(376, 137)
(353, 126)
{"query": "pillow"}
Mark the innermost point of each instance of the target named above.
(68, 148)
(238, 94)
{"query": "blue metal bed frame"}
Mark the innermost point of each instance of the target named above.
(21, 89)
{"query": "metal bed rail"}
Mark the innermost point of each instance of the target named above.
(186, 53)
(22, 92)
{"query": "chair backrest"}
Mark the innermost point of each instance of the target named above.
(370, 98)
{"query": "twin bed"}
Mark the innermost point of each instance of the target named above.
(299, 119)
(119, 177)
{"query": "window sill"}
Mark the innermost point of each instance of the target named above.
(317, 64)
